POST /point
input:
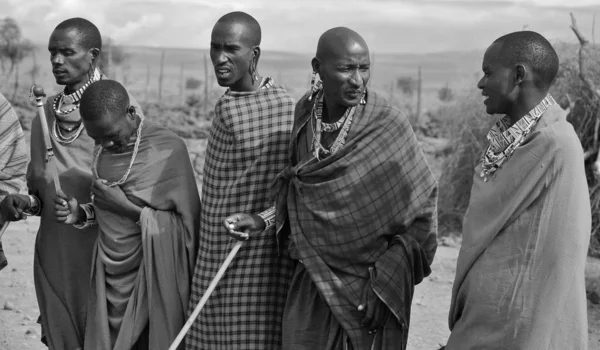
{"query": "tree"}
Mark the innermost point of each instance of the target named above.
(111, 55)
(406, 84)
(445, 94)
(13, 49)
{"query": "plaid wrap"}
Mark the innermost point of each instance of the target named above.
(247, 148)
(373, 203)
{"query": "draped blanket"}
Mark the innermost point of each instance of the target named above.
(142, 274)
(13, 157)
(247, 148)
(63, 254)
(520, 272)
(373, 203)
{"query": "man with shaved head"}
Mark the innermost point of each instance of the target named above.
(520, 273)
(247, 148)
(145, 202)
(356, 209)
(63, 253)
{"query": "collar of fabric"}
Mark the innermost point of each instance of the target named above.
(74, 97)
(502, 135)
(503, 140)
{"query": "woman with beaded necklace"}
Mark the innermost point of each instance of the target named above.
(63, 253)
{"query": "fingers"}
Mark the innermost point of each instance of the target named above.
(60, 201)
(60, 194)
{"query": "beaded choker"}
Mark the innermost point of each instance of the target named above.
(74, 97)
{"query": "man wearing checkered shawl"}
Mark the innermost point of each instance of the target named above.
(13, 157)
(247, 148)
(356, 207)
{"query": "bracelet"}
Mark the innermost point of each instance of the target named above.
(35, 208)
(90, 217)
(268, 217)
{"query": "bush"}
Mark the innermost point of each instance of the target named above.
(466, 124)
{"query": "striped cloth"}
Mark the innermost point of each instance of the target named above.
(371, 204)
(13, 151)
(13, 157)
(247, 148)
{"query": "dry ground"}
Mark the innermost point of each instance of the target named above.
(19, 331)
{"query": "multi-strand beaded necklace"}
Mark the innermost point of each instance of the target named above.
(73, 99)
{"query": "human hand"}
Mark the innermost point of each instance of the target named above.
(13, 205)
(244, 226)
(66, 209)
(375, 310)
(109, 198)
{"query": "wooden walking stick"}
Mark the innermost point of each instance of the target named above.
(206, 295)
(39, 94)
(4, 227)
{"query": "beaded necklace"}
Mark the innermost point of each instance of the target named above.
(73, 98)
(317, 128)
(133, 155)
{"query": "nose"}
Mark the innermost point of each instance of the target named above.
(480, 84)
(356, 78)
(218, 57)
(56, 60)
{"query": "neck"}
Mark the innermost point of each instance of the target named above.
(334, 112)
(525, 104)
(246, 85)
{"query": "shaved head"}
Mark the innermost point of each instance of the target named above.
(338, 42)
(249, 26)
(531, 49)
(344, 66)
(88, 34)
(104, 99)
(235, 51)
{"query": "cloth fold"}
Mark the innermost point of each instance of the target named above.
(142, 274)
(371, 203)
(520, 272)
(246, 149)
(13, 158)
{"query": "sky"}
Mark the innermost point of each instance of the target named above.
(388, 26)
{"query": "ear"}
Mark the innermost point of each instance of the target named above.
(520, 74)
(256, 51)
(316, 65)
(94, 54)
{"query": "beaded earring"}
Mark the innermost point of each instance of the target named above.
(314, 85)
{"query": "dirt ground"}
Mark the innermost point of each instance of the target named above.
(429, 329)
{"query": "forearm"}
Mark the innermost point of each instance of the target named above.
(86, 216)
(35, 206)
(268, 216)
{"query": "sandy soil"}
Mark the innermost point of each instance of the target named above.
(19, 312)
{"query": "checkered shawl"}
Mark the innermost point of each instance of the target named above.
(373, 203)
(247, 148)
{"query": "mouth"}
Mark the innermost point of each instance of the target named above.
(222, 72)
(354, 93)
(58, 72)
(486, 97)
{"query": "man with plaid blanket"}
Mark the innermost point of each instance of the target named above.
(356, 207)
(13, 158)
(247, 148)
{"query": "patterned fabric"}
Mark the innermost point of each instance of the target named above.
(247, 148)
(13, 151)
(504, 139)
(373, 203)
(13, 157)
